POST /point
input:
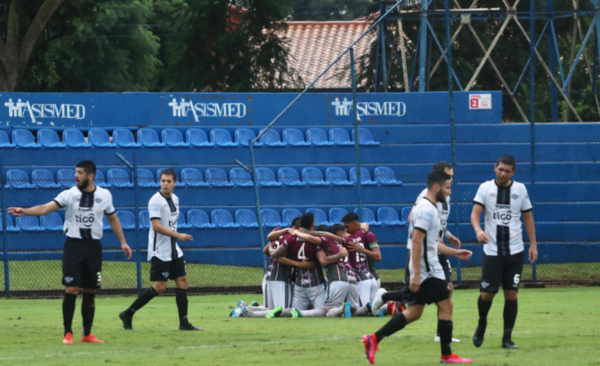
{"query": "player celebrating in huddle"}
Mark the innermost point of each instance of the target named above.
(167, 262)
(503, 200)
(426, 280)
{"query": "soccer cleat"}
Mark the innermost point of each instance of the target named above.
(254, 303)
(437, 339)
(275, 312)
(91, 339)
(127, 320)
(509, 344)
(240, 310)
(392, 307)
(347, 309)
(380, 313)
(478, 336)
(296, 313)
(454, 358)
(378, 301)
(370, 343)
(68, 338)
(189, 326)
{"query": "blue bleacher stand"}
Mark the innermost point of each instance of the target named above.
(288, 215)
(406, 213)
(173, 138)
(386, 176)
(320, 216)
(127, 220)
(271, 218)
(313, 177)
(365, 138)
(198, 219)
(17, 179)
(28, 223)
(10, 224)
(105, 223)
(49, 139)
(144, 219)
(243, 136)
(24, 138)
(336, 214)
(51, 222)
(74, 138)
(389, 217)
(182, 222)
(340, 136)
(43, 178)
(222, 218)
(365, 177)
(221, 137)
(271, 138)
(246, 218)
(66, 177)
(337, 176)
(149, 138)
(122, 137)
(217, 177)
(368, 216)
(289, 177)
(266, 177)
(192, 177)
(240, 177)
(4, 140)
(98, 137)
(317, 137)
(197, 138)
(118, 178)
(99, 179)
(146, 178)
(294, 137)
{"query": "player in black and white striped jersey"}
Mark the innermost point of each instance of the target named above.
(85, 205)
(504, 201)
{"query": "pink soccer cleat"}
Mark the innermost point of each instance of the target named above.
(454, 358)
(91, 339)
(370, 342)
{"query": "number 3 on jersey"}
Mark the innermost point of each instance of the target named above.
(301, 254)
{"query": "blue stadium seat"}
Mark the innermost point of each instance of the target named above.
(389, 217)
(240, 177)
(173, 138)
(288, 215)
(386, 176)
(271, 138)
(43, 178)
(243, 136)
(365, 137)
(246, 218)
(197, 138)
(148, 137)
(98, 137)
(336, 214)
(10, 224)
(66, 177)
(217, 177)
(144, 219)
(182, 222)
(4, 140)
(74, 138)
(368, 216)
(406, 213)
(192, 177)
(313, 177)
(99, 179)
(337, 176)
(122, 137)
(118, 178)
(198, 219)
(222, 218)
(318, 137)
(51, 222)
(340, 136)
(271, 218)
(289, 177)
(24, 138)
(221, 137)
(294, 137)
(266, 177)
(320, 216)
(105, 223)
(49, 139)
(127, 220)
(17, 179)
(365, 177)
(146, 178)
(28, 223)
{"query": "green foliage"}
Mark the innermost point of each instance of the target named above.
(328, 9)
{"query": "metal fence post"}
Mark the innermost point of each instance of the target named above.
(257, 197)
(4, 233)
(532, 111)
(136, 207)
(356, 134)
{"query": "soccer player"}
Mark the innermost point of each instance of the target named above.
(425, 277)
(85, 204)
(504, 201)
(165, 256)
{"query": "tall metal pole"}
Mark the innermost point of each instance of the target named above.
(261, 231)
(423, 47)
(532, 106)
(552, 60)
(136, 203)
(597, 48)
(4, 233)
(356, 135)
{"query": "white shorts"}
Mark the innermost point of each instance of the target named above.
(264, 290)
(366, 291)
(353, 297)
(279, 293)
(337, 292)
(304, 296)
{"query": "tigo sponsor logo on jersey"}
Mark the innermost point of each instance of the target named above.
(369, 109)
(185, 108)
(38, 111)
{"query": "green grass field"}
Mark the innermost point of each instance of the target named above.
(557, 326)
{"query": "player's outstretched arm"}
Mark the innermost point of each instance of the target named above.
(115, 224)
(326, 260)
(278, 253)
(327, 234)
(307, 237)
(457, 253)
(364, 226)
(159, 228)
(530, 227)
(275, 234)
(476, 222)
(40, 210)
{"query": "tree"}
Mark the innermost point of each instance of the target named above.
(328, 9)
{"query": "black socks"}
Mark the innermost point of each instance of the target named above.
(445, 331)
(142, 300)
(393, 296)
(397, 323)
(68, 308)
(88, 309)
(484, 308)
(510, 317)
(182, 306)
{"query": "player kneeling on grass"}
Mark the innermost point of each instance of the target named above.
(427, 280)
(167, 262)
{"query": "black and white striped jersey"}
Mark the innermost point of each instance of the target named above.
(443, 208)
(166, 210)
(503, 207)
(84, 211)
(426, 218)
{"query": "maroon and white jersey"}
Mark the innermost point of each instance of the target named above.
(301, 250)
(358, 260)
(341, 270)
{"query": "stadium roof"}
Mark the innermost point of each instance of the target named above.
(315, 45)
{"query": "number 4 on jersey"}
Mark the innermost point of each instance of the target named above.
(301, 254)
